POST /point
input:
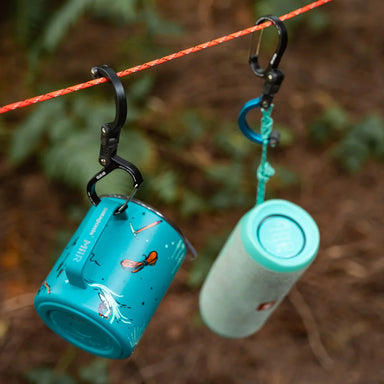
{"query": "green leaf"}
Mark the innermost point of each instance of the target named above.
(165, 185)
(28, 135)
(193, 123)
(60, 23)
(74, 160)
(329, 125)
(284, 177)
(372, 132)
(90, 113)
(139, 89)
(276, 7)
(200, 269)
(192, 203)
(363, 141)
(280, 7)
(156, 24)
(96, 372)
(203, 263)
(60, 130)
(48, 376)
(233, 143)
(136, 148)
(351, 154)
(30, 16)
(227, 199)
(230, 175)
(319, 21)
(123, 11)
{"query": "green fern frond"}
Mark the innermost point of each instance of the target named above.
(60, 23)
(137, 148)
(316, 21)
(124, 11)
(28, 135)
(29, 17)
(73, 161)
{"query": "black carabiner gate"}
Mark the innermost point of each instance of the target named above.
(110, 134)
(272, 75)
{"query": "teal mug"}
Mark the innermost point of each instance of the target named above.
(106, 285)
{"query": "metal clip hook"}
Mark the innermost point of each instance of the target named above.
(110, 134)
(272, 75)
(273, 78)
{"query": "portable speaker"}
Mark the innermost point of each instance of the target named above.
(267, 252)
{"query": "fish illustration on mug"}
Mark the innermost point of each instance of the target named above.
(137, 266)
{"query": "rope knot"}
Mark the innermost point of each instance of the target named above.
(265, 172)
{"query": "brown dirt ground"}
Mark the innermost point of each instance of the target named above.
(330, 328)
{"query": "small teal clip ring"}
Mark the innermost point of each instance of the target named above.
(242, 121)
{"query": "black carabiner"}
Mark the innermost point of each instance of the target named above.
(272, 75)
(110, 134)
(116, 163)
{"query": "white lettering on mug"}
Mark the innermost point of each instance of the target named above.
(81, 251)
(97, 222)
(84, 245)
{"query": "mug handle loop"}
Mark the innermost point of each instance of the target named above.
(85, 243)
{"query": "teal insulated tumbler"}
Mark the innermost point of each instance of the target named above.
(267, 252)
(108, 282)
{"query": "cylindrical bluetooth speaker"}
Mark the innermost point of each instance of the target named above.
(267, 252)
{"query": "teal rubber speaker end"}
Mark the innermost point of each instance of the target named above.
(280, 236)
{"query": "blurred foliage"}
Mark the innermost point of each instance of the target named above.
(94, 373)
(352, 143)
(192, 160)
(187, 163)
(203, 263)
(4, 132)
(363, 141)
(330, 125)
(48, 376)
(42, 25)
(316, 22)
(196, 169)
(30, 17)
(64, 135)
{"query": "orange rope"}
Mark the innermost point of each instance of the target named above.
(78, 87)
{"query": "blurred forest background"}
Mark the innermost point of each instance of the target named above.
(200, 171)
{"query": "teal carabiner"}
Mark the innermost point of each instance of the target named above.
(248, 132)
